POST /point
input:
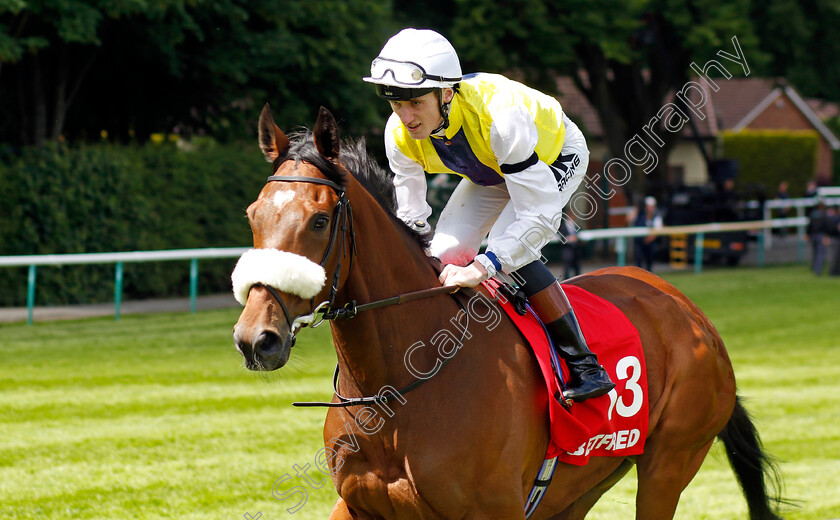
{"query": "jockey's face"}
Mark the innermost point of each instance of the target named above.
(421, 115)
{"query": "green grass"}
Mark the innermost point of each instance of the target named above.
(154, 417)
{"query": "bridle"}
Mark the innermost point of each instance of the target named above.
(342, 223)
(342, 227)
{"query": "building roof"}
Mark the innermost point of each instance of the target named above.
(824, 109)
(738, 97)
(578, 107)
(737, 102)
(761, 101)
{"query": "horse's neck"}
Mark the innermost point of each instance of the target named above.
(371, 346)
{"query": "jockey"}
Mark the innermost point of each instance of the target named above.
(521, 159)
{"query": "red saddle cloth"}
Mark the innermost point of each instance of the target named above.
(614, 425)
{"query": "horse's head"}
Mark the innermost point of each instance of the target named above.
(300, 225)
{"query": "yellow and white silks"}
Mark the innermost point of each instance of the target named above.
(521, 158)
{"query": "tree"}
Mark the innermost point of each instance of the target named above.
(625, 56)
(133, 67)
(801, 37)
(628, 71)
(47, 76)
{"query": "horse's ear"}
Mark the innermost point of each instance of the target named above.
(326, 135)
(273, 141)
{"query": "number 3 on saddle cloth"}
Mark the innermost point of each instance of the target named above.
(614, 425)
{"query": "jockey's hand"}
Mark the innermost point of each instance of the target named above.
(468, 276)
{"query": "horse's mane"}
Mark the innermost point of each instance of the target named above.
(354, 157)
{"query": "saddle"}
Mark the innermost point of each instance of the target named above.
(614, 425)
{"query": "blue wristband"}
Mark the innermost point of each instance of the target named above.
(493, 258)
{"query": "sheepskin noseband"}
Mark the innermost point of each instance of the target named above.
(286, 272)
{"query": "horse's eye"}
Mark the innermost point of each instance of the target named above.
(320, 222)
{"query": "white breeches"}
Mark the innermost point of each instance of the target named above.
(473, 211)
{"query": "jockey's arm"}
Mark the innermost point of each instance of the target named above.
(530, 182)
(533, 190)
(409, 185)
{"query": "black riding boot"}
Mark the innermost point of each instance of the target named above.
(587, 377)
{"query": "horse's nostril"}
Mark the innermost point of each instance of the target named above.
(241, 345)
(267, 343)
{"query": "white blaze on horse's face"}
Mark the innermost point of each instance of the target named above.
(281, 198)
(293, 216)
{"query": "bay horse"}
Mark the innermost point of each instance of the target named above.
(468, 442)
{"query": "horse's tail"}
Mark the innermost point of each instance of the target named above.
(751, 465)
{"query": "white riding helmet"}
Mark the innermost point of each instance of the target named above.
(414, 61)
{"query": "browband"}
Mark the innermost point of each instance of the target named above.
(313, 180)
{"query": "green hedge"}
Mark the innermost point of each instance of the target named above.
(770, 156)
(99, 198)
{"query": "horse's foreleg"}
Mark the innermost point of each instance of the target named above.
(663, 475)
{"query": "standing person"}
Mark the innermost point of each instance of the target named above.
(571, 247)
(521, 159)
(645, 247)
(819, 233)
(834, 237)
(782, 194)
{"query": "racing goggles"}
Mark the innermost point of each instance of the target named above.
(404, 72)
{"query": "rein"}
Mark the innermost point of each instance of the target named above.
(382, 399)
(326, 311)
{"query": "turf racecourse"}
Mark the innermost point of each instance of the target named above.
(154, 417)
